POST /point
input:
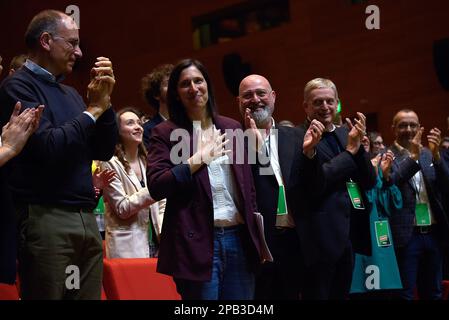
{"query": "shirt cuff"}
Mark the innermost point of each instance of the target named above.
(90, 115)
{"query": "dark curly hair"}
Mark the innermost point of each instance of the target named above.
(151, 84)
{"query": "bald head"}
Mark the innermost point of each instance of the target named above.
(256, 94)
(405, 126)
(403, 113)
(254, 79)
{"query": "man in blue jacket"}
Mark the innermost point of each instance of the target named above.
(60, 248)
(421, 228)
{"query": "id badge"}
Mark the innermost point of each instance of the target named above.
(282, 204)
(382, 229)
(422, 215)
(355, 195)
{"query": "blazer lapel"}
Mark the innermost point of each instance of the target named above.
(285, 153)
(342, 135)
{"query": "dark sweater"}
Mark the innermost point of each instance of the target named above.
(55, 166)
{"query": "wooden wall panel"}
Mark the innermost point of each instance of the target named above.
(375, 71)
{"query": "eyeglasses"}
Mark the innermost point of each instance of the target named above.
(405, 125)
(73, 43)
(261, 94)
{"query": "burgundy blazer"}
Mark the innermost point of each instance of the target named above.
(186, 246)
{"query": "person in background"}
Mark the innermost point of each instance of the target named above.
(17, 62)
(376, 143)
(127, 197)
(154, 88)
(100, 179)
(286, 123)
(421, 228)
(210, 241)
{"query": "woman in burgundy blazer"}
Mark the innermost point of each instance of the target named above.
(210, 247)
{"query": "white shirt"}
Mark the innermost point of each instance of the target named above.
(224, 192)
(271, 143)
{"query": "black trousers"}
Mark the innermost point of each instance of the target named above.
(281, 279)
(330, 281)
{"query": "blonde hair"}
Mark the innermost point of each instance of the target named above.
(319, 83)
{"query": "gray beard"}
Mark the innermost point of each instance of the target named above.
(261, 117)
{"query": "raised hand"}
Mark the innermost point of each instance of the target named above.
(375, 162)
(257, 138)
(416, 145)
(312, 137)
(356, 133)
(100, 87)
(386, 163)
(20, 127)
(209, 148)
(102, 179)
(434, 139)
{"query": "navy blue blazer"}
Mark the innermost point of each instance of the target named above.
(329, 221)
(186, 246)
(148, 126)
(436, 179)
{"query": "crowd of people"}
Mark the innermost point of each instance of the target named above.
(343, 215)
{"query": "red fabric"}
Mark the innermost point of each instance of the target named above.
(136, 279)
(8, 292)
(445, 289)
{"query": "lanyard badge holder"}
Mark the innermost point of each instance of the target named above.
(422, 212)
(382, 228)
(282, 204)
(355, 195)
(422, 215)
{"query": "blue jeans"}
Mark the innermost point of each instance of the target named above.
(421, 266)
(231, 276)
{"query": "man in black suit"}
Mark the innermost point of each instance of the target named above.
(154, 88)
(421, 228)
(278, 153)
(336, 221)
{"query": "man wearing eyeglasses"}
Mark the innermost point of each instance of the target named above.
(274, 181)
(421, 227)
(60, 248)
(336, 222)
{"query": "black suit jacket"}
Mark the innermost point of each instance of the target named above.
(436, 179)
(329, 221)
(267, 188)
(148, 126)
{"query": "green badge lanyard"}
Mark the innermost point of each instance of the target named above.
(282, 203)
(422, 212)
(382, 229)
(355, 195)
(100, 207)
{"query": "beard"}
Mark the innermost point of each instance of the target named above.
(261, 116)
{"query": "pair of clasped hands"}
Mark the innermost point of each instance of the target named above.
(356, 133)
